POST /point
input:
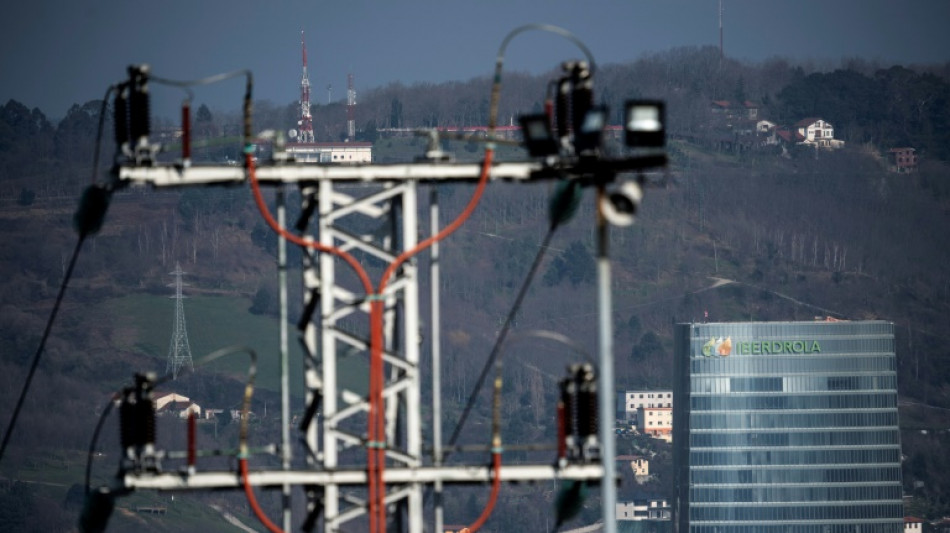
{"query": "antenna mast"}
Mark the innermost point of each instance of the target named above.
(306, 121)
(721, 53)
(350, 108)
(179, 351)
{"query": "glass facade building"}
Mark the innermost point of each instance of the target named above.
(786, 427)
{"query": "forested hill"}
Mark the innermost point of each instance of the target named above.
(751, 235)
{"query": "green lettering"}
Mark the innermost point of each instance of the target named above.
(798, 346)
(757, 348)
(788, 347)
(815, 347)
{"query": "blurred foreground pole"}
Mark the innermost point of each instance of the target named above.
(608, 488)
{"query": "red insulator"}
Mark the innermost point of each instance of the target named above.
(185, 131)
(191, 440)
(561, 432)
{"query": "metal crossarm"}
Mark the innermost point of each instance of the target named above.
(369, 211)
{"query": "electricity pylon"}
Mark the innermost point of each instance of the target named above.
(179, 351)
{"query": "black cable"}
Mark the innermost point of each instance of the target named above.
(556, 220)
(39, 350)
(500, 341)
(88, 220)
(167, 377)
(95, 440)
(102, 118)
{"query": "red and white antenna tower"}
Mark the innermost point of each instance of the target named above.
(306, 121)
(721, 53)
(350, 108)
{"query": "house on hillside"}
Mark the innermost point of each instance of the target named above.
(765, 126)
(736, 110)
(176, 405)
(902, 160)
(650, 508)
(657, 422)
(631, 400)
(912, 524)
(817, 132)
(638, 465)
(788, 137)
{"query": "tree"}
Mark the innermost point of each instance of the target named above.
(26, 197)
(395, 113)
(368, 133)
(649, 345)
(204, 115)
(262, 302)
(575, 263)
(76, 133)
(204, 122)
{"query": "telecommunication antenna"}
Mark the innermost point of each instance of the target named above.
(306, 120)
(179, 351)
(350, 108)
(721, 52)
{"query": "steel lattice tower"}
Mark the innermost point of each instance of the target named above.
(179, 351)
(306, 120)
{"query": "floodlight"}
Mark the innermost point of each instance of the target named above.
(538, 138)
(644, 123)
(588, 137)
(620, 206)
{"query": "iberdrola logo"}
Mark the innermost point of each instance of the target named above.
(719, 347)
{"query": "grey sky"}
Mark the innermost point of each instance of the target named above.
(59, 52)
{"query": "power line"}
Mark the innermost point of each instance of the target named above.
(500, 341)
(88, 220)
(39, 349)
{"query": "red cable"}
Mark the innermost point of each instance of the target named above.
(377, 455)
(561, 432)
(376, 322)
(376, 424)
(262, 207)
(191, 441)
(373, 478)
(493, 497)
(367, 286)
(253, 500)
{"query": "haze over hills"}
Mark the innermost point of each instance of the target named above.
(807, 234)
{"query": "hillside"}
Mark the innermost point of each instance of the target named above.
(752, 236)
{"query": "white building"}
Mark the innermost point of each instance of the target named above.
(648, 509)
(638, 465)
(656, 422)
(632, 400)
(912, 524)
(177, 405)
(817, 132)
(332, 152)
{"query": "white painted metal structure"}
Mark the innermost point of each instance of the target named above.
(335, 325)
(339, 328)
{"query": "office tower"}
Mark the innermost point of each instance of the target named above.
(786, 427)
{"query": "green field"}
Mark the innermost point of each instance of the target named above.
(144, 324)
(50, 478)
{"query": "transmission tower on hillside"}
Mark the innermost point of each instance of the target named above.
(179, 351)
